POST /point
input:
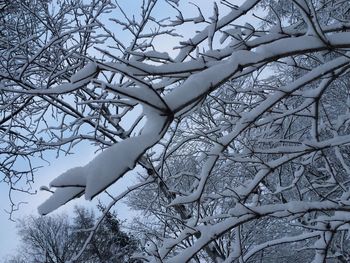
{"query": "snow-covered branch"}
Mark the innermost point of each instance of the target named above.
(242, 125)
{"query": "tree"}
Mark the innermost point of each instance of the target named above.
(108, 244)
(41, 44)
(243, 133)
(21, 36)
(58, 239)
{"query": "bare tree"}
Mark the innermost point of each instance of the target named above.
(41, 44)
(245, 127)
(56, 239)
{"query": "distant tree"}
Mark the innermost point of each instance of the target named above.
(108, 244)
(56, 239)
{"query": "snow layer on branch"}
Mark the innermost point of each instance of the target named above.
(72, 177)
(180, 100)
(59, 198)
(143, 95)
(85, 73)
(107, 167)
(156, 54)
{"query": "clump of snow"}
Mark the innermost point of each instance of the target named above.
(59, 198)
(86, 72)
(107, 167)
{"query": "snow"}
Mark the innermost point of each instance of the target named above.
(72, 177)
(143, 95)
(59, 198)
(255, 249)
(156, 54)
(107, 167)
(185, 83)
(85, 73)
(111, 164)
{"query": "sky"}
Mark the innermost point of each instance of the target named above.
(9, 240)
